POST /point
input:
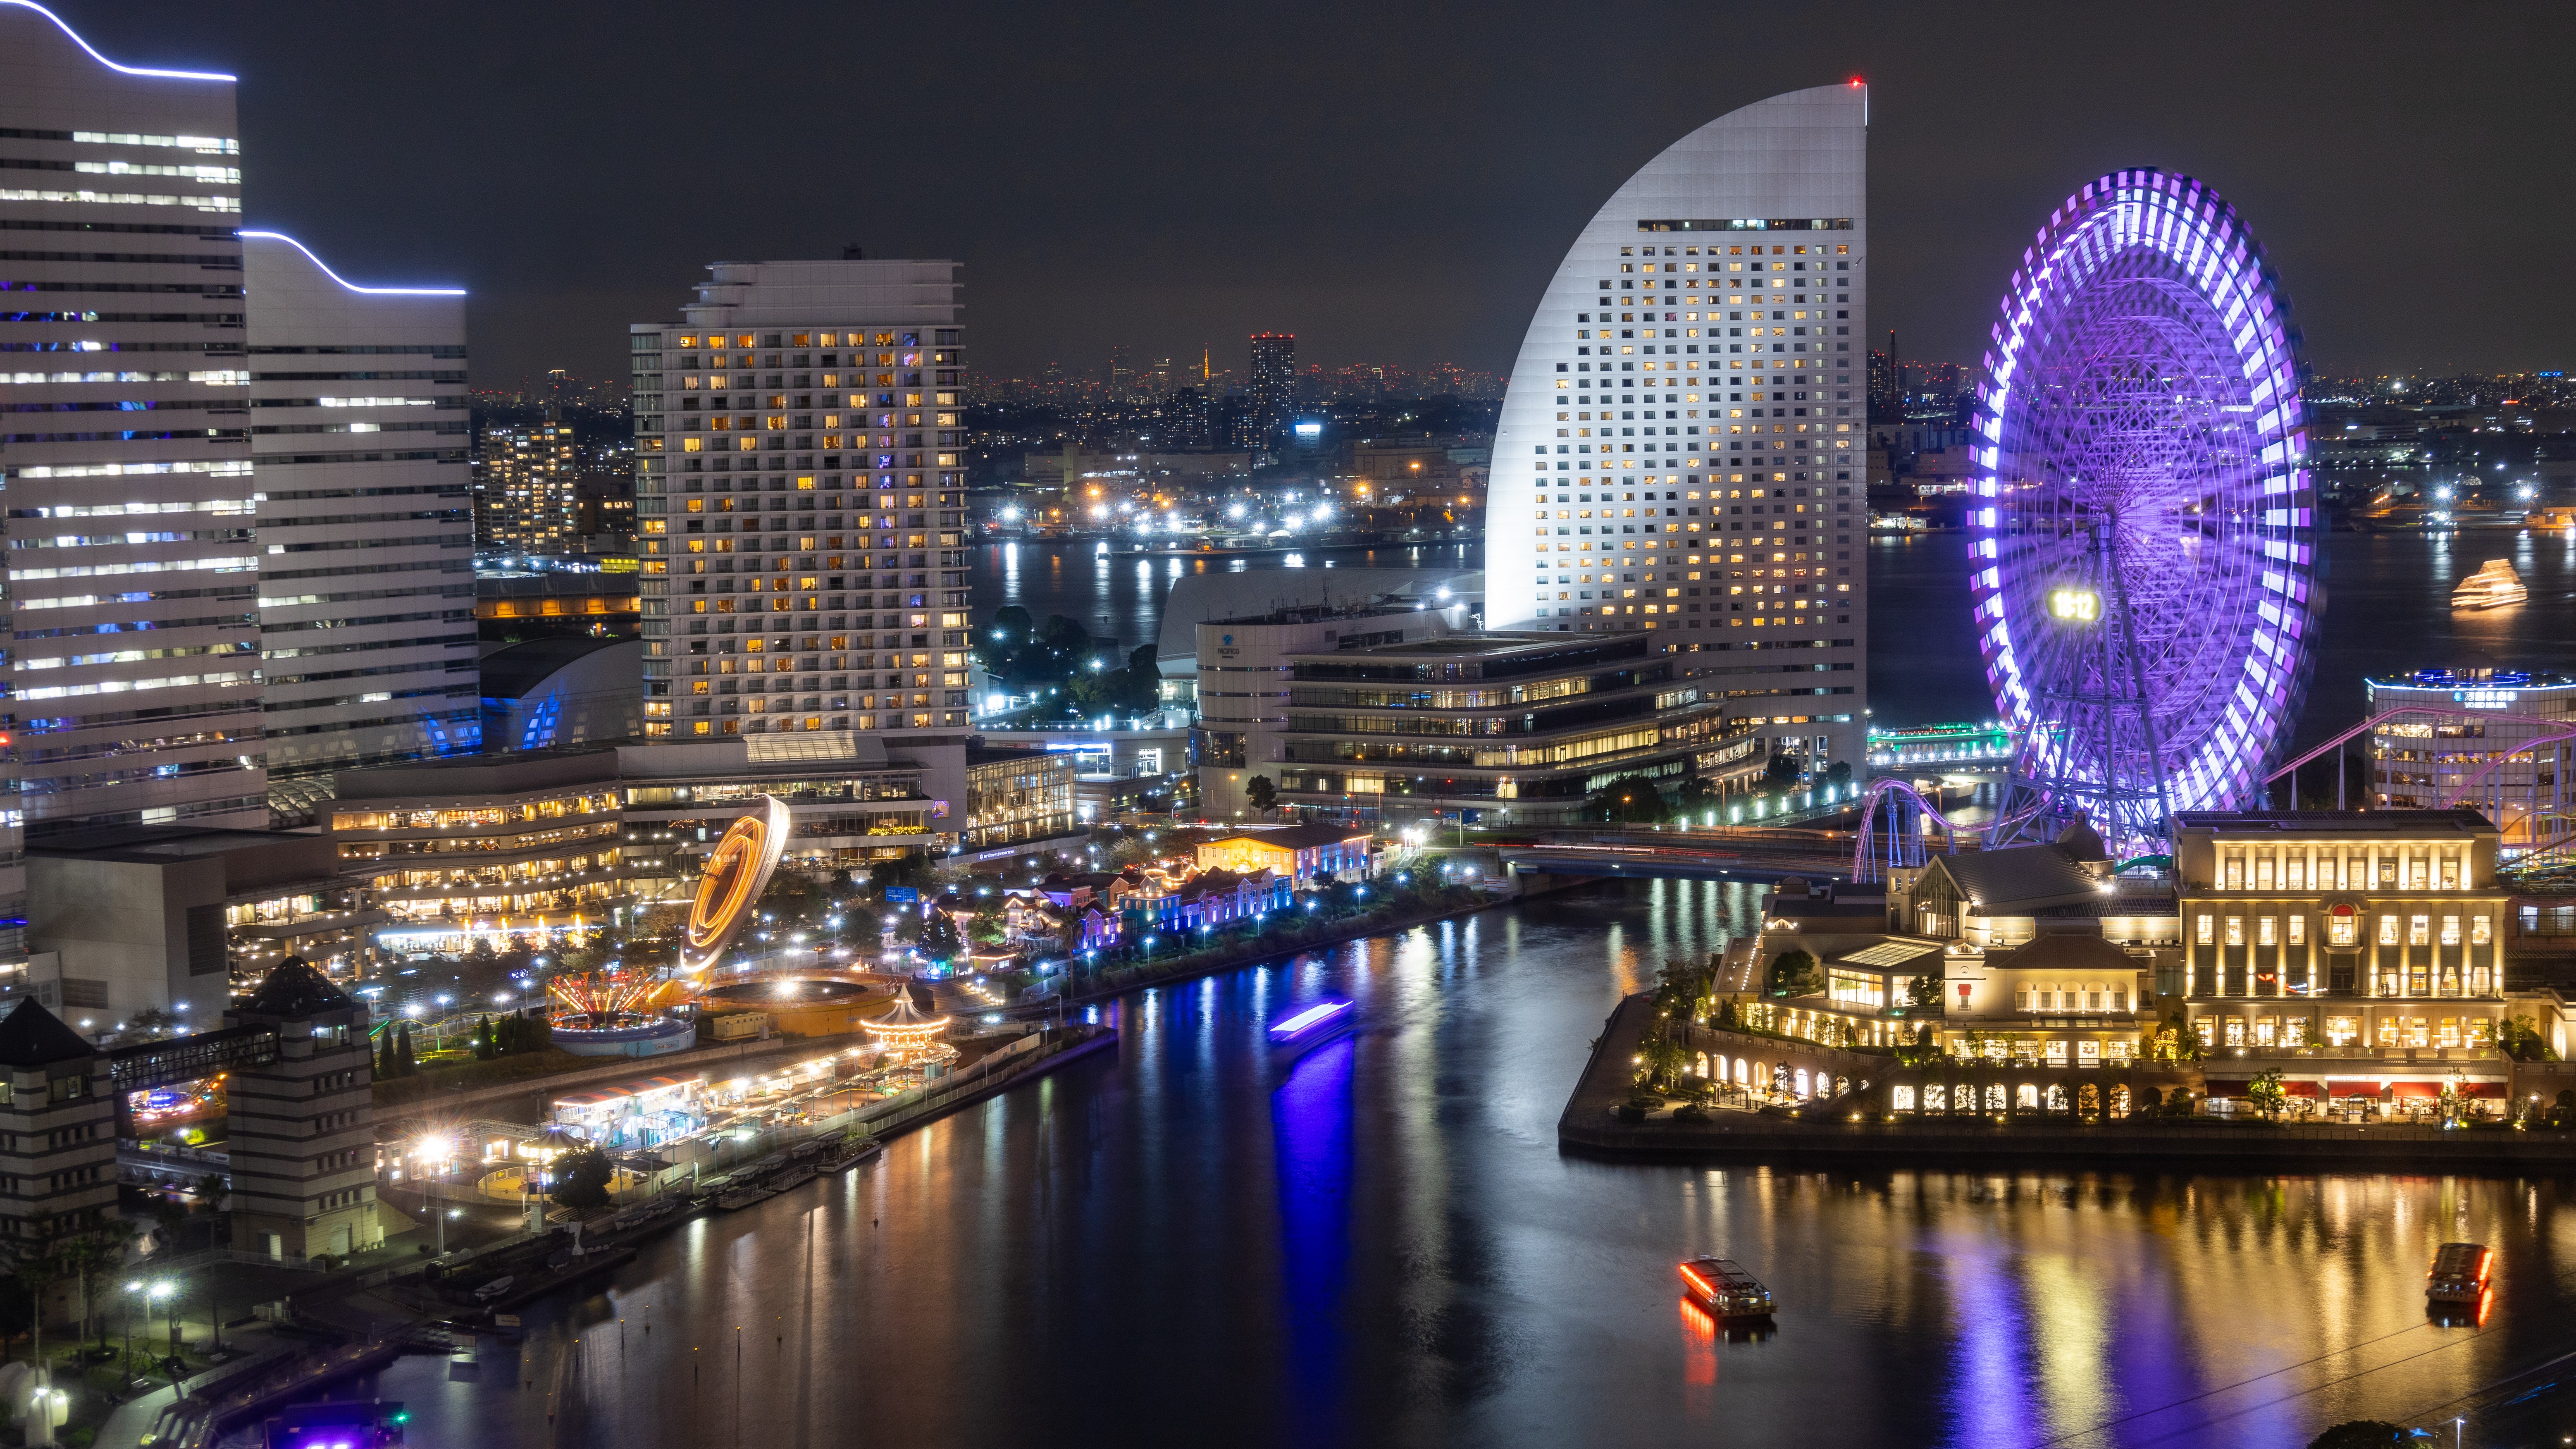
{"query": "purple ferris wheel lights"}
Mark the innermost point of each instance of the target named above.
(2143, 528)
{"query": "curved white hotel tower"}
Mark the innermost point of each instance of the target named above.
(1682, 446)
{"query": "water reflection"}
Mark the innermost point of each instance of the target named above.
(1387, 1247)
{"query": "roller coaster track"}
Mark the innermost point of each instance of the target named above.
(2363, 728)
(1864, 863)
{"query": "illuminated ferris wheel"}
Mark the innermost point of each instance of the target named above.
(2143, 536)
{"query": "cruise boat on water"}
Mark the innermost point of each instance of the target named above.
(2459, 1273)
(1728, 1292)
(2493, 586)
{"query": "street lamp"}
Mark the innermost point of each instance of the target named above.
(131, 1290)
(156, 1293)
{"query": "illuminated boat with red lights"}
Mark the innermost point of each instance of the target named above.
(1307, 1028)
(2459, 1273)
(1730, 1294)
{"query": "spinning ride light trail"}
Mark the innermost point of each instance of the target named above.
(737, 870)
(2143, 533)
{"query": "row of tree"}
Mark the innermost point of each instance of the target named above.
(1640, 799)
(1088, 675)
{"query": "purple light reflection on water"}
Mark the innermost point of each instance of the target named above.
(1311, 1141)
(1990, 1401)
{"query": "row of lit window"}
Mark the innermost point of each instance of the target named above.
(2344, 929)
(2264, 1031)
(2350, 873)
(206, 145)
(808, 339)
(1840, 249)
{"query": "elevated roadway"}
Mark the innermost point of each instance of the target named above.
(1757, 855)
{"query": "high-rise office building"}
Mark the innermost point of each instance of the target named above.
(366, 534)
(527, 475)
(1681, 447)
(801, 501)
(1274, 383)
(135, 670)
(1886, 391)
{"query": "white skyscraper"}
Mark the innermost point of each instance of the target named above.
(236, 484)
(134, 673)
(366, 533)
(801, 502)
(1681, 447)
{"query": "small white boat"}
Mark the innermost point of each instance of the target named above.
(2493, 586)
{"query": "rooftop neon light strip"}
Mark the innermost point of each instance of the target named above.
(103, 60)
(335, 276)
(1308, 1017)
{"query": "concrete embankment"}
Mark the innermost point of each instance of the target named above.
(1590, 1126)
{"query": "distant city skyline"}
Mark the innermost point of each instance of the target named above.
(1397, 222)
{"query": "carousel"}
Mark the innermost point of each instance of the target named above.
(910, 1037)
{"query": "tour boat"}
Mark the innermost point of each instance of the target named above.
(1294, 1036)
(2493, 586)
(852, 1157)
(1728, 1292)
(2459, 1273)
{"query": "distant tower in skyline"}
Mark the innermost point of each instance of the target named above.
(1633, 488)
(1274, 381)
(1886, 390)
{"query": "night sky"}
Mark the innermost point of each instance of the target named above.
(1391, 182)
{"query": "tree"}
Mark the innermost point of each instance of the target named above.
(485, 1048)
(153, 1019)
(2522, 1041)
(1838, 773)
(940, 938)
(405, 1063)
(1260, 793)
(1923, 992)
(582, 1177)
(860, 922)
(1782, 771)
(1628, 799)
(1697, 797)
(2358, 1434)
(2266, 1094)
(1794, 973)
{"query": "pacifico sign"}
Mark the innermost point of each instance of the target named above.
(736, 872)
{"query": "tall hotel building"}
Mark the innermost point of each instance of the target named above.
(359, 430)
(133, 574)
(1681, 449)
(800, 502)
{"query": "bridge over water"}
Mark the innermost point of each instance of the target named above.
(1669, 854)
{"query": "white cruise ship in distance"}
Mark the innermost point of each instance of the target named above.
(2493, 586)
